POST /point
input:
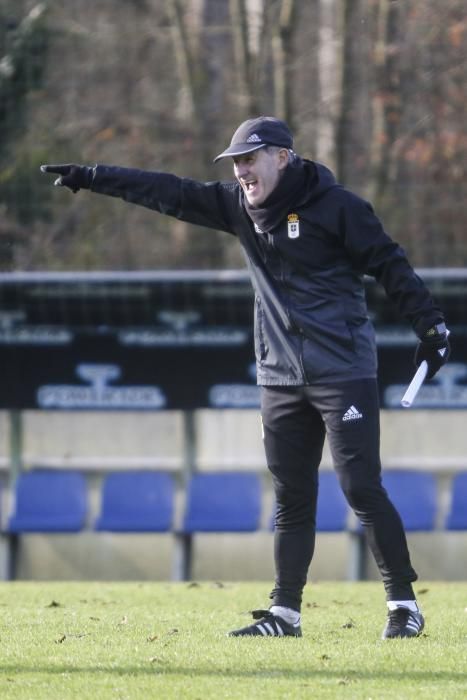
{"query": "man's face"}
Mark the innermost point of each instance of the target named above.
(259, 172)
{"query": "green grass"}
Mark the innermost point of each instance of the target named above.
(164, 640)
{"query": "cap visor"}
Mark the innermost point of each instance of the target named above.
(239, 150)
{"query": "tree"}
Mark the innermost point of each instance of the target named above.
(374, 88)
(24, 48)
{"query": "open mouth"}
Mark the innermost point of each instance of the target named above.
(250, 186)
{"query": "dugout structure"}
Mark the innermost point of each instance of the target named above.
(154, 341)
(178, 340)
(163, 341)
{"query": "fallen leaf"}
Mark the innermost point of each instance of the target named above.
(343, 681)
(348, 625)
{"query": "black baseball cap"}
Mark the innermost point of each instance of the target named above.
(258, 133)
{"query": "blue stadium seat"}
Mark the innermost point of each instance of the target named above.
(220, 502)
(137, 501)
(414, 495)
(457, 516)
(223, 502)
(49, 501)
(332, 510)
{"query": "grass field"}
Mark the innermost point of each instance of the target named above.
(165, 640)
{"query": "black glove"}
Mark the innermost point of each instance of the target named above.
(75, 177)
(434, 348)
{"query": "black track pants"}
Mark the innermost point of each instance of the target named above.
(295, 422)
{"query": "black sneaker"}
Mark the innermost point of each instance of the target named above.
(268, 625)
(402, 622)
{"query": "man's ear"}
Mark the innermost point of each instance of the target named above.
(283, 156)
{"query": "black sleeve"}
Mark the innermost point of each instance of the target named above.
(210, 204)
(376, 254)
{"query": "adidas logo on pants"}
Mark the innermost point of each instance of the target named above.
(352, 414)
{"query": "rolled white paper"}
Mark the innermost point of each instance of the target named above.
(415, 384)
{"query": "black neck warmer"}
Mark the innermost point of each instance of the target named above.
(291, 190)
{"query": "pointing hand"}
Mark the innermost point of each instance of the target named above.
(75, 177)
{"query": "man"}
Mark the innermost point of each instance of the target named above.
(307, 242)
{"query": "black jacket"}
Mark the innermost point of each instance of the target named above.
(311, 321)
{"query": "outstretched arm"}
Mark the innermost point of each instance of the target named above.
(211, 204)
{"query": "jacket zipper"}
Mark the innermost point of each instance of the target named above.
(293, 327)
(300, 357)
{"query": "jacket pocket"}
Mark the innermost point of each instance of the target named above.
(328, 349)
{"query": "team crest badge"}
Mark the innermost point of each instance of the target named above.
(293, 228)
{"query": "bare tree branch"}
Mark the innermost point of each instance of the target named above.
(282, 52)
(183, 56)
(387, 101)
(239, 19)
(357, 74)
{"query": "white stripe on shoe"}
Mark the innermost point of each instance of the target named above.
(413, 624)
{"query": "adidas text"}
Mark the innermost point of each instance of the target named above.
(352, 414)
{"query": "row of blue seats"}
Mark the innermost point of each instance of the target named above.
(143, 501)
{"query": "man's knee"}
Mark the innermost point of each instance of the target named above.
(294, 508)
(363, 494)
